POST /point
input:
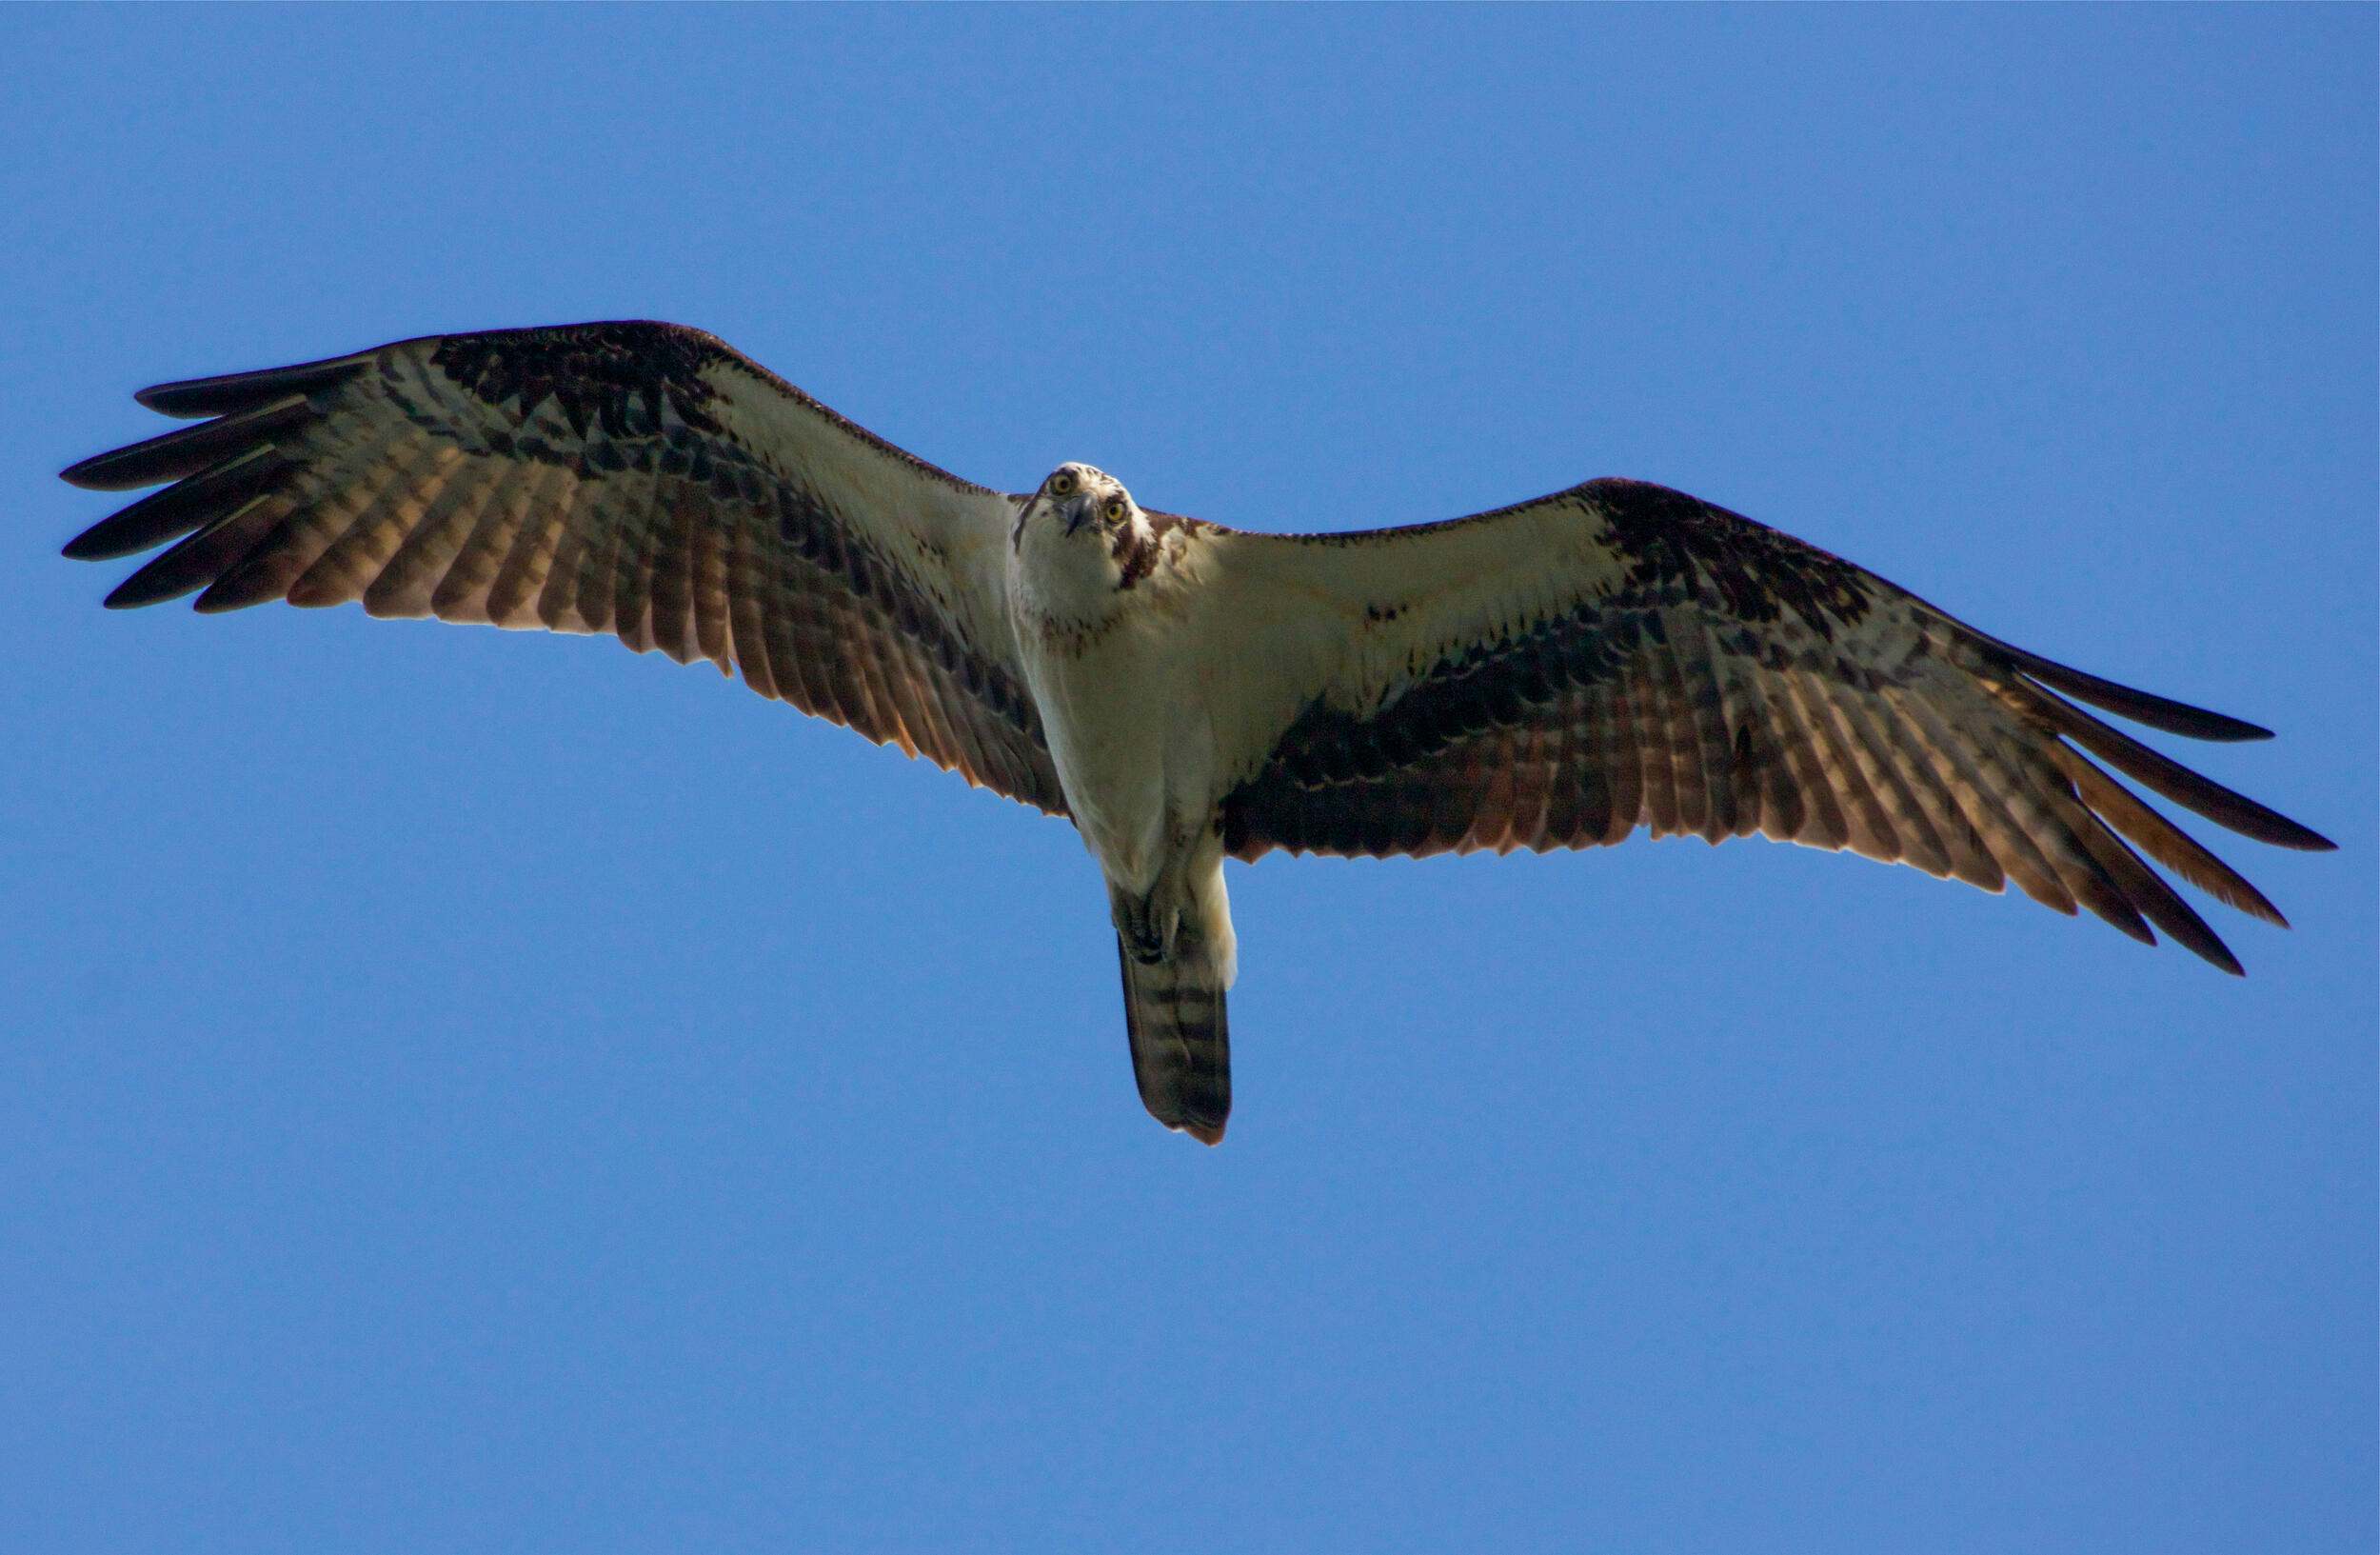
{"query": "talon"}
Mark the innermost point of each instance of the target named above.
(1146, 932)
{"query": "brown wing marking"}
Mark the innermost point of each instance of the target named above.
(1736, 681)
(598, 478)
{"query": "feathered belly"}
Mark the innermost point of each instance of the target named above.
(1110, 734)
(1115, 780)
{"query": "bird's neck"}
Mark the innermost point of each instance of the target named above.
(1070, 586)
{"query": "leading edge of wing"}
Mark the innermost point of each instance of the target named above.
(231, 393)
(2165, 713)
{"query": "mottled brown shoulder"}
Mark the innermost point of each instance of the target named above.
(1137, 554)
(616, 376)
(1165, 524)
(1675, 547)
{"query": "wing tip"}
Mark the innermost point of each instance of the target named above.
(2163, 714)
(132, 594)
(2235, 731)
(2187, 930)
(2208, 946)
(86, 548)
(92, 474)
(2158, 712)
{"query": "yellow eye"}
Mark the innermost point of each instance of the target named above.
(1113, 510)
(1063, 484)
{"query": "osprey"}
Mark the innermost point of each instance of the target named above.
(1553, 674)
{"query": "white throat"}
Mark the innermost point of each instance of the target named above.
(1065, 579)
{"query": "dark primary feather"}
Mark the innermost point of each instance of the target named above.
(637, 479)
(232, 392)
(212, 489)
(185, 452)
(2158, 712)
(1729, 680)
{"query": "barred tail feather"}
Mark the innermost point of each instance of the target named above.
(1180, 1040)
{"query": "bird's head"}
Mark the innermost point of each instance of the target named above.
(1080, 499)
(1085, 523)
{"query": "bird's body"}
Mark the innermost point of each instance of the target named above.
(1116, 675)
(1112, 625)
(1556, 674)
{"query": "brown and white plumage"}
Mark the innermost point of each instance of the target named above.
(637, 479)
(1622, 655)
(1555, 675)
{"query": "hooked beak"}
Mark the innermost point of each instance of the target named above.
(1078, 512)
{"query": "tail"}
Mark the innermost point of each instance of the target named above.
(1181, 1039)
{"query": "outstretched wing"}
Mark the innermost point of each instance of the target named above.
(1620, 655)
(639, 479)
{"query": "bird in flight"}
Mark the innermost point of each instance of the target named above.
(1558, 674)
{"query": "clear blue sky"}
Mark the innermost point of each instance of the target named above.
(466, 1092)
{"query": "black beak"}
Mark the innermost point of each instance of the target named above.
(1077, 514)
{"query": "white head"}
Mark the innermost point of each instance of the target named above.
(1084, 539)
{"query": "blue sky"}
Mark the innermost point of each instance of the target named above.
(477, 1093)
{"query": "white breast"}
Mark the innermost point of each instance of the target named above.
(1119, 697)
